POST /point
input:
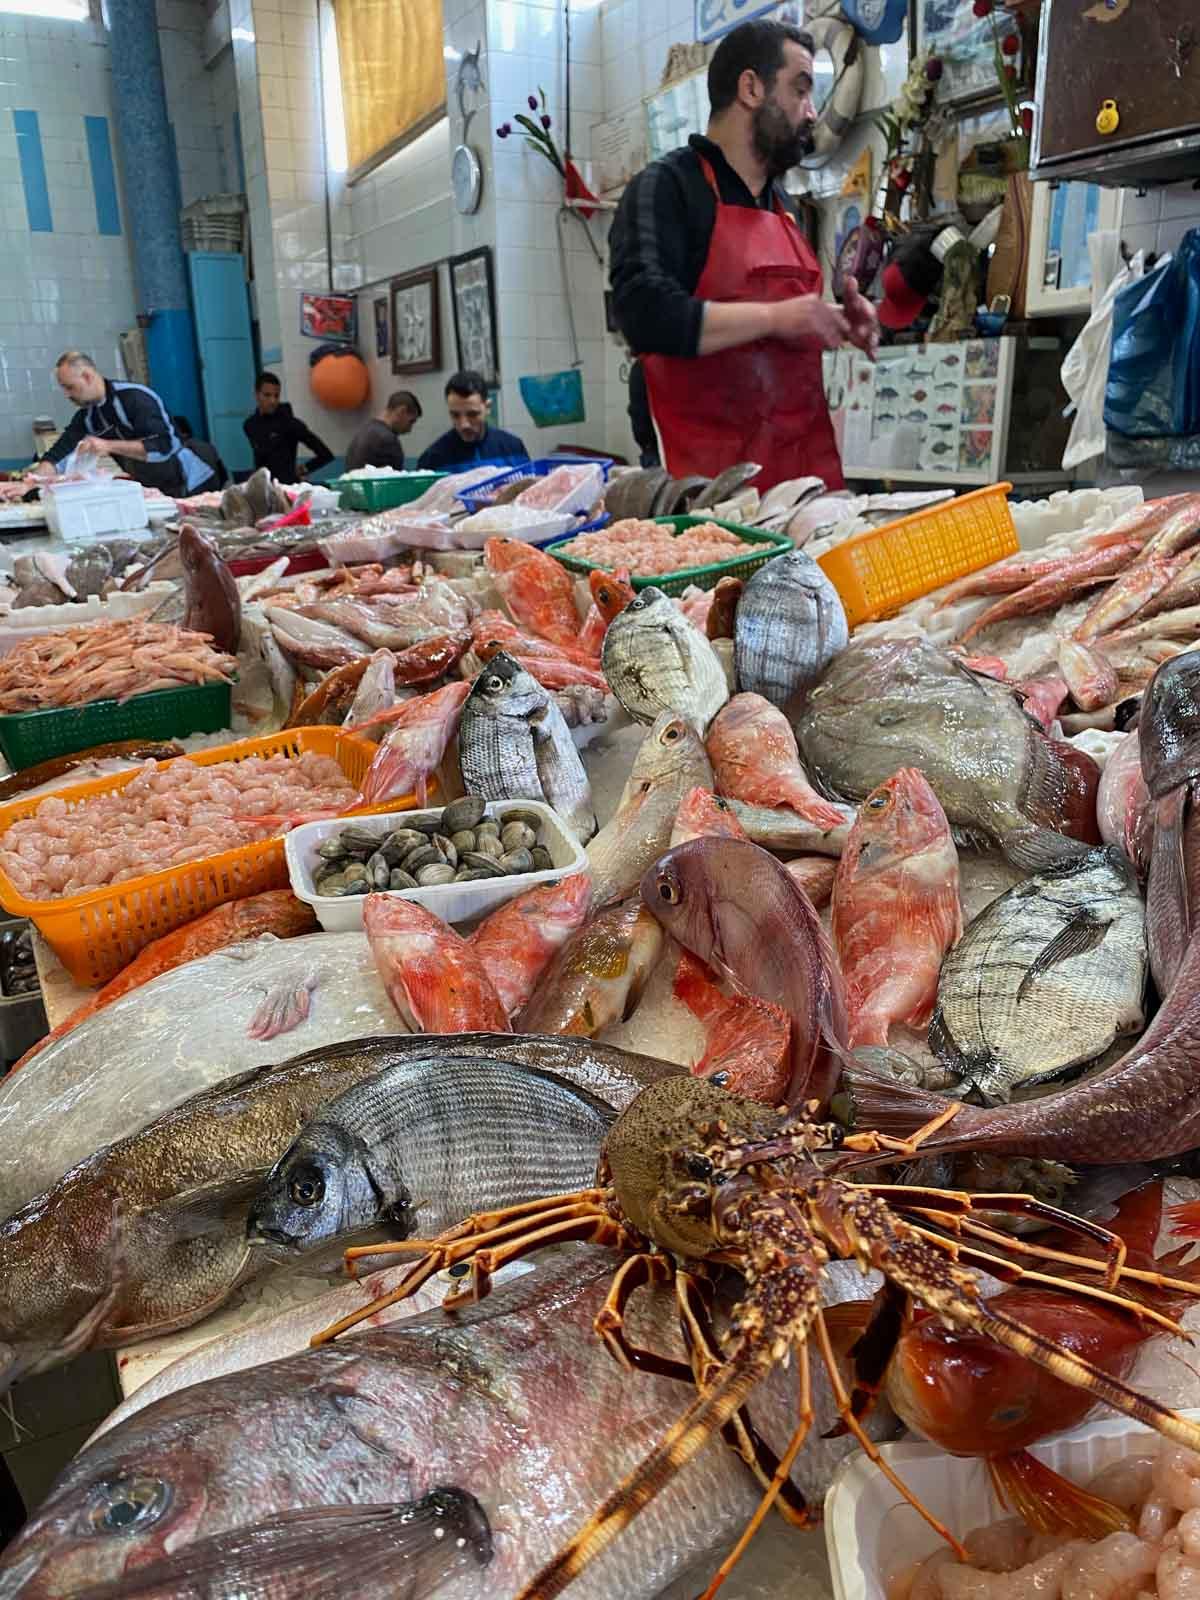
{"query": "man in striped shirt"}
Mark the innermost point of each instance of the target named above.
(128, 422)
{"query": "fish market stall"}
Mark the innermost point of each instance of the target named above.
(510, 858)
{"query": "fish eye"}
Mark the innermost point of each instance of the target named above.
(667, 891)
(307, 1189)
(493, 683)
(127, 1505)
(721, 1079)
(1007, 1415)
(877, 802)
(671, 733)
(699, 1167)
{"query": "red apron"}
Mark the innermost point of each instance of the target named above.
(761, 402)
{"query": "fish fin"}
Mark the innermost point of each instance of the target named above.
(970, 838)
(208, 1208)
(1084, 932)
(884, 1106)
(1185, 1220)
(1050, 1503)
(1027, 845)
(420, 1543)
(847, 1320)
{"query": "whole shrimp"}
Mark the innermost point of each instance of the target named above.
(692, 1179)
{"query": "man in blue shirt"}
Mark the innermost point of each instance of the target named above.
(471, 437)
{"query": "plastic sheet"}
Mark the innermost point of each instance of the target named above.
(1154, 375)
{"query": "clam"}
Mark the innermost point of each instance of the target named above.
(333, 883)
(482, 864)
(488, 828)
(425, 855)
(446, 848)
(543, 861)
(474, 875)
(517, 836)
(514, 861)
(399, 879)
(379, 868)
(488, 844)
(357, 873)
(465, 813)
(331, 849)
(436, 872)
(531, 819)
(358, 841)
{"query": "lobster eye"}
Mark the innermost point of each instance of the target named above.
(836, 1135)
(699, 1167)
(668, 891)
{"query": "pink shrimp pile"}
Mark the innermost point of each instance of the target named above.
(650, 549)
(1158, 1485)
(165, 816)
(106, 661)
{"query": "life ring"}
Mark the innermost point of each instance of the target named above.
(834, 34)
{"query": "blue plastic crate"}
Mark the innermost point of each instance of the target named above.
(480, 496)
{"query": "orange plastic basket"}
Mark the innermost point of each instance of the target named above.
(96, 933)
(881, 570)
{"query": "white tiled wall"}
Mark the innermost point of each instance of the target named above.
(1159, 219)
(190, 99)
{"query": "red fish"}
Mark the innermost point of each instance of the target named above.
(537, 589)
(702, 815)
(1090, 675)
(421, 730)
(1123, 810)
(516, 942)
(895, 907)
(551, 671)
(1049, 591)
(1132, 591)
(433, 977)
(491, 627)
(816, 876)
(1043, 698)
(976, 1398)
(747, 1038)
(611, 593)
(755, 759)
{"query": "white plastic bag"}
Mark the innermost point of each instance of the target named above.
(1085, 370)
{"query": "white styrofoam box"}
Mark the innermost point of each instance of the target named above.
(873, 1536)
(28, 620)
(582, 497)
(512, 522)
(453, 902)
(89, 510)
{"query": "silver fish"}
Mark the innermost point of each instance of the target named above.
(314, 643)
(513, 744)
(426, 1143)
(903, 702)
(1044, 979)
(790, 625)
(376, 691)
(656, 661)
(785, 831)
(670, 762)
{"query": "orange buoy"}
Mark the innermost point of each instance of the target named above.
(341, 381)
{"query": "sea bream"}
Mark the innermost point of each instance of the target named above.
(790, 625)
(656, 661)
(903, 702)
(513, 744)
(1044, 979)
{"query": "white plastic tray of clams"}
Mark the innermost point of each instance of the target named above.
(453, 902)
(874, 1538)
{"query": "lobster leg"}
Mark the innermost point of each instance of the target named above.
(740, 1433)
(779, 1478)
(873, 1350)
(636, 1273)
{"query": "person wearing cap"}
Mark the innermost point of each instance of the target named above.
(717, 289)
(909, 278)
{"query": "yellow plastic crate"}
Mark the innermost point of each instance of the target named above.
(878, 571)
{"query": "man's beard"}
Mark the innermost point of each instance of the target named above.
(777, 144)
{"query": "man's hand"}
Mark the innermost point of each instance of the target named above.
(860, 314)
(807, 316)
(92, 446)
(42, 469)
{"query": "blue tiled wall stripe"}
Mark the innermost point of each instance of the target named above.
(104, 177)
(33, 171)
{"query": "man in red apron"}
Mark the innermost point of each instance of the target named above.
(715, 286)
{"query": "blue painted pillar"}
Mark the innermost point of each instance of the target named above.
(152, 196)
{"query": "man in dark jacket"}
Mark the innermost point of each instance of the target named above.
(128, 422)
(276, 435)
(208, 453)
(377, 443)
(472, 438)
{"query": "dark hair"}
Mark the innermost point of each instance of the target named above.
(404, 397)
(757, 45)
(466, 384)
(267, 377)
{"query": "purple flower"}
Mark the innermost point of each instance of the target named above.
(533, 102)
(545, 122)
(503, 131)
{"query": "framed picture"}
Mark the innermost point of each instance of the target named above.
(473, 296)
(1065, 216)
(381, 326)
(416, 323)
(966, 44)
(333, 317)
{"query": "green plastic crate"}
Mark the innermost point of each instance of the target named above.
(771, 545)
(383, 494)
(27, 737)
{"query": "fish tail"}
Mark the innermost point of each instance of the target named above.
(1185, 1220)
(1050, 1503)
(884, 1106)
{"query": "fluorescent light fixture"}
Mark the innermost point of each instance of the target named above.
(60, 10)
(336, 159)
(243, 35)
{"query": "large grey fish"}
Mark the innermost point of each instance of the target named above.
(790, 625)
(513, 744)
(1169, 725)
(655, 660)
(168, 1205)
(513, 1401)
(1045, 978)
(419, 1146)
(670, 762)
(904, 702)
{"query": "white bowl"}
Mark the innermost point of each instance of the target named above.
(873, 1536)
(453, 902)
